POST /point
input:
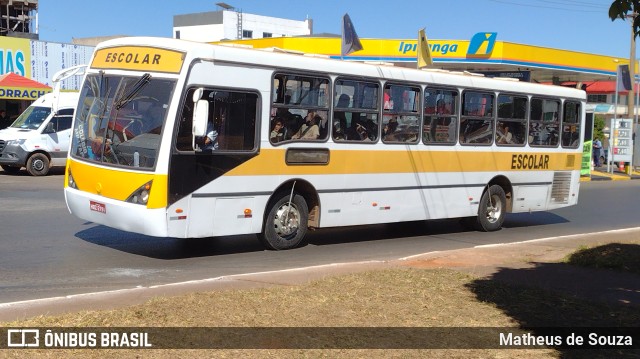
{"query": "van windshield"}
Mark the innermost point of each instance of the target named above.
(32, 117)
(120, 119)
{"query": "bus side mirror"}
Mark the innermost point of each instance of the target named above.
(200, 117)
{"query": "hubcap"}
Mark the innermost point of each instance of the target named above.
(494, 212)
(287, 220)
(38, 165)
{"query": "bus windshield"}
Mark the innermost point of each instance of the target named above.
(32, 117)
(119, 119)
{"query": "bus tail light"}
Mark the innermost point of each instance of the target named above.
(141, 195)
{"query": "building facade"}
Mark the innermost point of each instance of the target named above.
(233, 24)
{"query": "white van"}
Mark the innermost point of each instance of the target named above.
(39, 138)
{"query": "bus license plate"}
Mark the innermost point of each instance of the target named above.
(97, 206)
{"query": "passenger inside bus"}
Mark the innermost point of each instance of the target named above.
(309, 130)
(277, 131)
(340, 117)
(388, 132)
(504, 135)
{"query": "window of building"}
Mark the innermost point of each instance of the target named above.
(571, 124)
(355, 111)
(300, 104)
(247, 34)
(544, 122)
(511, 129)
(440, 116)
(597, 98)
(267, 34)
(476, 120)
(177, 34)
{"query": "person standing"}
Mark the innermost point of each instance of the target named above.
(605, 148)
(4, 120)
(597, 146)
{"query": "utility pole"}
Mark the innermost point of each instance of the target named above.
(632, 67)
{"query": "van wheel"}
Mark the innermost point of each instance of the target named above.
(492, 209)
(38, 164)
(12, 170)
(286, 223)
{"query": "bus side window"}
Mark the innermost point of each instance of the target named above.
(511, 127)
(400, 120)
(571, 124)
(476, 122)
(301, 102)
(355, 111)
(440, 116)
(232, 115)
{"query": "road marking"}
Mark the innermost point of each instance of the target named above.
(231, 277)
(613, 231)
(44, 301)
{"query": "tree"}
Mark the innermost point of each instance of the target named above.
(620, 9)
(599, 123)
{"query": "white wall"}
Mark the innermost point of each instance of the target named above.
(202, 33)
(258, 24)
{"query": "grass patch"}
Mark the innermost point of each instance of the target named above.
(622, 257)
(406, 297)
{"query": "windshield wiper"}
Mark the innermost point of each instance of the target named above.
(139, 85)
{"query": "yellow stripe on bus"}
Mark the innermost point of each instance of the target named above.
(117, 184)
(272, 162)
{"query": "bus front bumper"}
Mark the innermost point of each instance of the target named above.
(128, 217)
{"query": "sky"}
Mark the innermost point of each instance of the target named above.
(577, 25)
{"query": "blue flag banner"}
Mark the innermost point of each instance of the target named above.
(624, 79)
(350, 41)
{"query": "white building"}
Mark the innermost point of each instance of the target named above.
(233, 24)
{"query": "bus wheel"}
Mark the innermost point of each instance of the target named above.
(492, 209)
(12, 170)
(286, 223)
(38, 164)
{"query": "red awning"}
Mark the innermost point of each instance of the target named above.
(602, 87)
(16, 87)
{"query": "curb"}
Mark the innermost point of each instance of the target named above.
(604, 176)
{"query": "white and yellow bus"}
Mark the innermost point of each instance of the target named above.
(182, 139)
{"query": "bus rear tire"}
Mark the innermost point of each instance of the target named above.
(12, 170)
(492, 210)
(285, 225)
(38, 164)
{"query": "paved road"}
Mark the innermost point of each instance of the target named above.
(45, 252)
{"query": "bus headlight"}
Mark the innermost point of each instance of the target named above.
(141, 195)
(71, 182)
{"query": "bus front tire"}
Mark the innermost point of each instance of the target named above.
(492, 209)
(12, 170)
(38, 164)
(285, 225)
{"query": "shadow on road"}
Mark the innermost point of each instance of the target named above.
(177, 248)
(518, 220)
(168, 248)
(563, 295)
(54, 171)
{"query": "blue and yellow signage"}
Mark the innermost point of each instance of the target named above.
(15, 56)
(483, 48)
